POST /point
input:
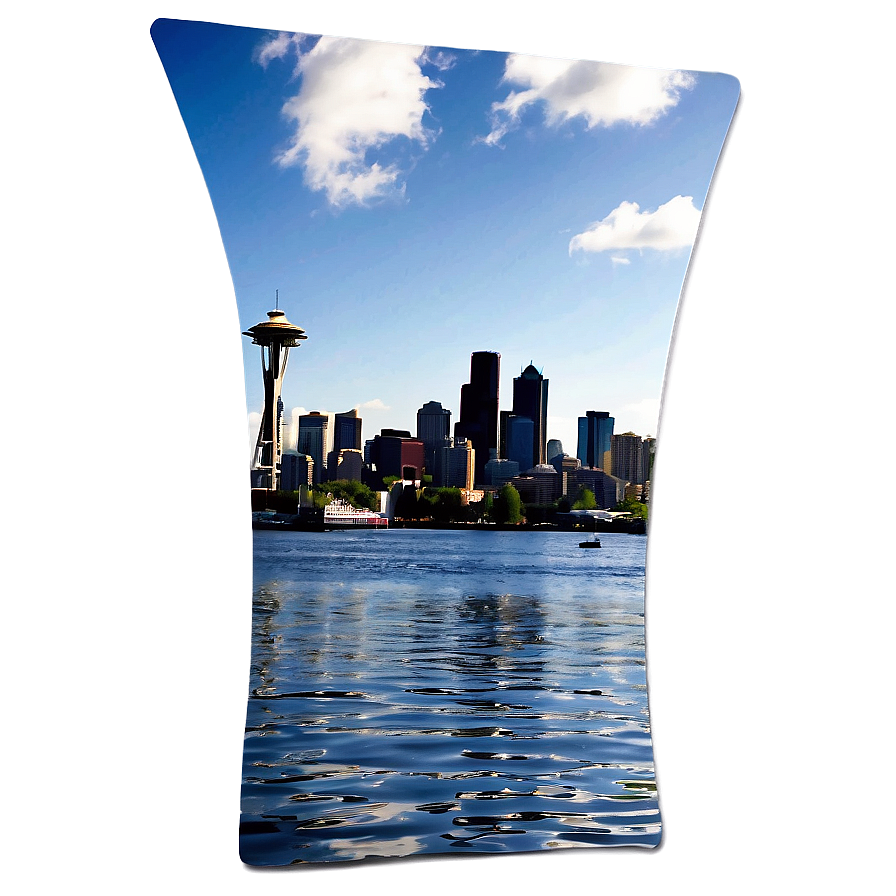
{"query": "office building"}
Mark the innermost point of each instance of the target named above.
(456, 465)
(530, 399)
(499, 471)
(313, 430)
(520, 440)
(478, 420)
(433, 428)
(347, 431)
(627, 458)
(346, 463)
(554, 449)
(296, 470)
(595, 443)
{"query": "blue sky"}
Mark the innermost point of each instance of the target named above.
(413, 205)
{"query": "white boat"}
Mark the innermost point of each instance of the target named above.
(341, 514)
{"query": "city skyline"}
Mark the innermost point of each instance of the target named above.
(415, 205)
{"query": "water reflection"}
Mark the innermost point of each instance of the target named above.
(379, 683)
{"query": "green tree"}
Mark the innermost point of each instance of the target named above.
(507, 506)
(585, 500)
(632, 506)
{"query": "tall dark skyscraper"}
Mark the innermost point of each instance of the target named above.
(478, 421)
(530, 399)
(347, 431)
(433, 428)
(595, 444)
(313, 441)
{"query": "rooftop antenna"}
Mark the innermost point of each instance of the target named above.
(277, 300)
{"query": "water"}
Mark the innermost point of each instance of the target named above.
(419, 691)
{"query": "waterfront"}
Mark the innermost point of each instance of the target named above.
(418, 691)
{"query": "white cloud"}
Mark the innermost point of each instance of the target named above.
(601, 93)
(276, 48)
(355, 98)
(620, 259)
(672, 226)
(375, 404)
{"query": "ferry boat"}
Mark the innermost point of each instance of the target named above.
(339, 514)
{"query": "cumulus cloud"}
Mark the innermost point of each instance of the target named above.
(600, 93)
(375, 404)
(356, 97)
(671, 226)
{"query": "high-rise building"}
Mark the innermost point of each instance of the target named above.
(478, 422)
(554, 449)
(595, 445)
(608, 490)
(296, 470)
(313, 441)
(347, 431)
(456, 465)
(627, 458)
(346, 463)
(499, 471)
(433, 427)
(648, 453)
(520, 441)
(530, 399)
(390, 453)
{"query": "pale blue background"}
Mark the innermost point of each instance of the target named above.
(126, 659)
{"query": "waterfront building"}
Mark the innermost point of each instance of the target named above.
(608, 490)
(595, 443)
(457, 465)
(530, 399)
(499, 471)
(346, 463)
(627, 458)
(296, 470)
(554, 449)
(276, 336)
(312, 440)
(478, 420)
(520, 441)
(347, 431)
(433, 428)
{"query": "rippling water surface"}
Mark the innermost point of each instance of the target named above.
(418, 691)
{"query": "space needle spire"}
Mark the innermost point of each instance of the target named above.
(276, 336)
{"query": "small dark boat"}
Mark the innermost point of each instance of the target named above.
(589, 544)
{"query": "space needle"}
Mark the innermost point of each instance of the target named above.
(276, 336)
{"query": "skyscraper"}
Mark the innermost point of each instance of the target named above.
(433, 427)
(595, 443)
(313, 440)
(627, 459)
(530, 399)
(478, 421)
(347, 431)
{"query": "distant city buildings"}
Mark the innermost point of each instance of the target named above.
(478, 419)
(481, 454)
